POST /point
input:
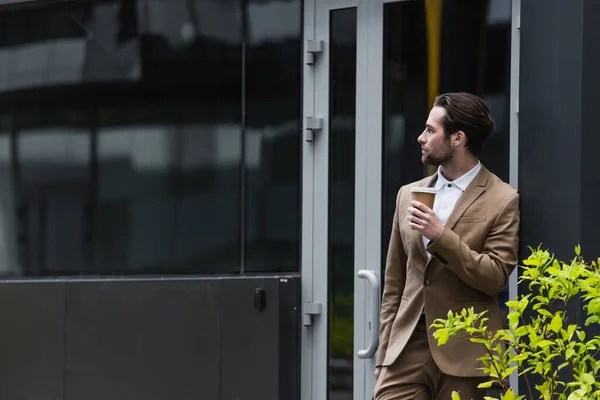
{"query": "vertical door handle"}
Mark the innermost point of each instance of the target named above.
(371, 277)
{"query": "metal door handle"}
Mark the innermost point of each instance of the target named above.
(374, 317)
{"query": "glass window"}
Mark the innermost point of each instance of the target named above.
(432, 48)
(151, 136)
(272, 140)
(342, 151)
(52, 177)
(405, 102)
(9, 239)
(168, 191)
(475, 57)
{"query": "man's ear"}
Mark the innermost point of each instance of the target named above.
(459, 139)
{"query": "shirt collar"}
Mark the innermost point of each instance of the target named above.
(461, 182)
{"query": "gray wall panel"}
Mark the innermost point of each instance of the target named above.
(151, 340)
(558, 134)
(31, 340)
(289, 339)
(250, 341)
(550, 124)
(590, 165)
(590, 179)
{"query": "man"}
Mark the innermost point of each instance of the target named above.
(458, 255)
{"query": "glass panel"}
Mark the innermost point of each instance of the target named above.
(273, 127)
(168, 191)
(342, 138)
(475, 57)
(159, 43)
(53, 180)
(9, 257)
(405, 103)
(468, 51)
(68, 43)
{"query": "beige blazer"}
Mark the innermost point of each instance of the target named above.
(470, 264)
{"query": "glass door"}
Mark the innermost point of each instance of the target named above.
(371, 71)
(340, 272)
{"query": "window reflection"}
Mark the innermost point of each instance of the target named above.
(9, 259)
(167, 193)
(53, 183)
(342, 143)
(272, 146)
(148, 139)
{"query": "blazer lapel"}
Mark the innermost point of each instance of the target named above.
(419, 238)
(472, 193)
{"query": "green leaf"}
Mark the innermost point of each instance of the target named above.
(588, 378)
(557, 323)
(478, 340)
(509, 395)
(577, 395)
(520, 357)
(443, 339)
(521, 331)
(569, 353)
(570, 330)
(455, 395)
(485, 385)
(545, 343)
(581, 335)
(513, 319)
(544, 312)
(578, 250)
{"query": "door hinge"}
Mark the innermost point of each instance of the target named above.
(312, 125)
(309, 310)
(311, 49)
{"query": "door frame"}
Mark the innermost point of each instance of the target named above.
(367, 213)
(368, 186)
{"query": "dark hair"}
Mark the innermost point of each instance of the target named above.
(468, 113)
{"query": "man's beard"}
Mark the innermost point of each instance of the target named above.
(441, 155)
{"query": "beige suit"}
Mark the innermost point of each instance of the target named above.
(470, 264)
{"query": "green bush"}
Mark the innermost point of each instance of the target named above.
(541, 339)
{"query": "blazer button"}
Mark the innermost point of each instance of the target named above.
(427, 282)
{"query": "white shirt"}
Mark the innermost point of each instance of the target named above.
(447, 194)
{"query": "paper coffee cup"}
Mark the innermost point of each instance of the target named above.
(425, 195)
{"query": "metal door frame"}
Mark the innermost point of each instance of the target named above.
(368, 186)
(367, 253)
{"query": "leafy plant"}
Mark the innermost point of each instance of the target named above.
(541, 339)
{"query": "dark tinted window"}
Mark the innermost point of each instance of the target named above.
(272, 146)
(168, 191)
(465, 49)
(142, 136)
(53, 189)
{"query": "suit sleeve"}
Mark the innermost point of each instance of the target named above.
(489, 270)
(395, 279)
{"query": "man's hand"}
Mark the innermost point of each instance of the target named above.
(377, 372)
(422, 218)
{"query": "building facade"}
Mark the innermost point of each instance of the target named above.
(197, 195)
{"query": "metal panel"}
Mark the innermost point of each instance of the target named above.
(32, 340)
(513, 281)
(550, 131)
(590, 180)
(250, 340)
(307, 250)
(289, 338)
(550, 125)
(151, 340)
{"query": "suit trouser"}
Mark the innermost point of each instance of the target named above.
(415, 375)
